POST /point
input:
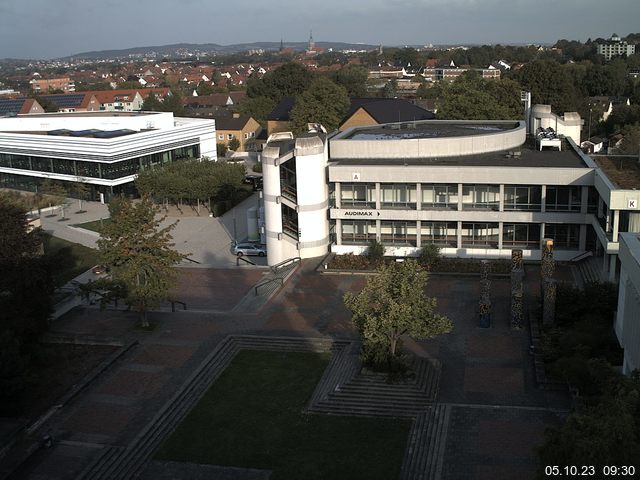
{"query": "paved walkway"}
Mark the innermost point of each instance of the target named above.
(496, 414)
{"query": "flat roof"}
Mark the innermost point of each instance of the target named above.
(102, 113)
(528, 157)
(429, 129)
(622, 171)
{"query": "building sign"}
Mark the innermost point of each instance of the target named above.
(361, 213)
(632, 203)
(355, 176)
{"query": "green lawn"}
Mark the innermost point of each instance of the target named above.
(253, 417)
(95, 226)
(69, 259)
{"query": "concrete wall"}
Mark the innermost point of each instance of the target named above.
(342, 147)
(569, 125)
(627, 321)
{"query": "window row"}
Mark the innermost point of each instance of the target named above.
(484, 197)
(110, 171)
(445, 234)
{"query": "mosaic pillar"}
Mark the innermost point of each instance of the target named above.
(517, 290)
(549, 302)
(485, 294)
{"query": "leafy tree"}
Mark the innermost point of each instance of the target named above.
(81, 191)
(354, 79)
(429, 255)
(288, 80)
(549, 83)
(26, 287)
(406, 56)
(258, 108)
(234, 144)
(221, 149)
(375, 252)
(390, 89)
(631, 141)
(470, 97)
(139, 253)
(324, 102)
(393, 304)
(151, 103)
(48, 105)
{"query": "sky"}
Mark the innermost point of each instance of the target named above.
(43, 29)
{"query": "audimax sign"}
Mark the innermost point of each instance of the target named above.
(361, 213)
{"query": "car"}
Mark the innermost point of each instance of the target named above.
(248, 249)
(254, 180)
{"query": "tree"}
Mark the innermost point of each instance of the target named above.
(81, 190)
(288, 80)
(631, 141)
(151, 103)
(234, 144)
(324, 102)
(393, 304)
(221, 149)
(470, 97)
(390, 89)
(354, 79)
(26, 288)
(139, 253)
(258, 108)
(549, 83)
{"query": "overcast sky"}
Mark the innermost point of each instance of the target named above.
(56, 28)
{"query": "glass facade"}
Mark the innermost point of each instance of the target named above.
(440, 196)
(104, 170)
(565, 236)
(358, 195)
(358, 232)
(480, 235)
(290, 221)
(563, 199)
(482, 197)
(523, 197)
(443, 234)
(401, 196)
(521, 235)
(398, 233)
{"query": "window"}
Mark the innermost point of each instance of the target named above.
(398, 233)
(290, 221)
(480, 235)
(358, 232)
(440, 196)
(358, 195)
(521, 235)
(563, 199)
(565, 236)
(398, 196)
(443, 234)
(522, 197)
(229, 136)
(288, 180)
(485, 197)
(221, 137)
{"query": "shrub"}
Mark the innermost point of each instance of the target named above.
(219, 208)
(257, 167)
(375, 252)
(351, 262)
(429, 255)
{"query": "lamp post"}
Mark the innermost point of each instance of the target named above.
(590, 110)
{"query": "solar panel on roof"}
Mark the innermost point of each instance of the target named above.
(8, 107)
(66, 101)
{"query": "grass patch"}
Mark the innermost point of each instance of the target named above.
(95, 226)
(253, 417)
(69, 259)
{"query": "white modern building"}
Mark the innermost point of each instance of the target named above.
(615, 47)
(102, 149)
(627, 324)
(474, 188)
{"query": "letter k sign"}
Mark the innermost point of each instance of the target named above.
(355, 177)
(632, 203)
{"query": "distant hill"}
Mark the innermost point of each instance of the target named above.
(181, 49)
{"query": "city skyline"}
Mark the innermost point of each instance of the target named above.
(41, 30)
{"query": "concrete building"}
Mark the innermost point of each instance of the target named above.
(627, 323)
(104, 150)
(615, 47)
(43, 85)
(474, 188)
(241, 127)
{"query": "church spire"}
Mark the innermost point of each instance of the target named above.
(312, 45)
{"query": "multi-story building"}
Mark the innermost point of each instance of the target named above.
(104, 150)
(627, 322)
(615, 47)
(42, 85)
(451, 73)
(474, 188)
(241, 127)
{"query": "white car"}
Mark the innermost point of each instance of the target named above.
(248, 249)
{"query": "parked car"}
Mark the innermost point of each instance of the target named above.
(254, 180)
(248, 249)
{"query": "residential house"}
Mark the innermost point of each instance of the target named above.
(19, 106)
(242, 127)
(74, 102)
(215, 105)
(119, 100)
(42, 85)
(592, 145)
(615, 47)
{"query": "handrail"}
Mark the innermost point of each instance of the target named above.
(192, 260)
(284, 263)
(266, 282)
(173, 305)
(581, 256)
(238, 258)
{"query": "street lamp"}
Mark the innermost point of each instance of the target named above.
(590, 110)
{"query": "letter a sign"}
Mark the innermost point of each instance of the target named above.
(355, 177)
(632, 203)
